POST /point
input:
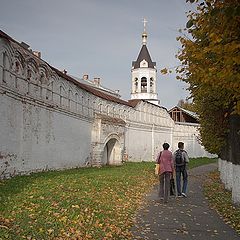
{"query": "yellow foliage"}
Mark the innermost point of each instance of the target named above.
(211, 64)
(164, 71)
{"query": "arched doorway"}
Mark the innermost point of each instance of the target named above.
(112, 152)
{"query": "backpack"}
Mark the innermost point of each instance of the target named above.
(179, 158)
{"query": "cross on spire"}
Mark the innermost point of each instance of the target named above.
(144, 24)
(144, 34)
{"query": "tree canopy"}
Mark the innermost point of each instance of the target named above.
(186, 105)
(210, 64)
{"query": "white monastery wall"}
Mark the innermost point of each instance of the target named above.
(230, 176)
(107, 140)
(149, 130)
(140, 150)
(45, 120)
(226, 173)
(40, 139)
(48, 121)
(236, 183)
(188, 133)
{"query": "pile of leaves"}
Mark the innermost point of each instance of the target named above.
(93, 203)
(221, 200)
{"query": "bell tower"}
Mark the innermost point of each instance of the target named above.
(144, 74)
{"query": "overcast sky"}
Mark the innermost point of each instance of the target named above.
(101, 38)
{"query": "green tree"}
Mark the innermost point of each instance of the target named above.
(186, 105)
(210, 64)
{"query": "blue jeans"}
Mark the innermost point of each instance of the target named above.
(181, 171)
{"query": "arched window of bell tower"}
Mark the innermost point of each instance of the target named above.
(136, 85)
(143, 84)
(151, 85)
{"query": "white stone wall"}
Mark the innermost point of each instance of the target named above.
(34, 138)
(139, 143)
(230, 176)
(45, 120)
(236, 184)
(107, 140)
(147, 131)
(188, 133)
(226, 173)
(49, 122)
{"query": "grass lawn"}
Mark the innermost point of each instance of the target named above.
(86, 203)
(196, 162)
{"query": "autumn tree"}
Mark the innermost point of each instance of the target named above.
(186, 105)
(210, 64)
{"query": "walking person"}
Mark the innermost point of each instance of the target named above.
(165, 161)
(181, 160)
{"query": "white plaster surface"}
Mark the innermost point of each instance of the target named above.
(188, 133)
(236, 184)
(229, 176)
(226, 173)
(48, 122)
(35, 138)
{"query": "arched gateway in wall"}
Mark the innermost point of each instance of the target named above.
(107, 140)
(112, 152)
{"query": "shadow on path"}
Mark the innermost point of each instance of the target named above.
(182, 218)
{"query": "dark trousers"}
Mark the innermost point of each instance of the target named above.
(164, 187)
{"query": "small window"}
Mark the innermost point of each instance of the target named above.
(151, 85)
(135, 84)
(143, 84)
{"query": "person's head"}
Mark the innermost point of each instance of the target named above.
(180, 145)
(165, 146)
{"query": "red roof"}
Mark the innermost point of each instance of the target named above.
(134, 102)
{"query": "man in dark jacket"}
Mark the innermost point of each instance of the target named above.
(180, 158)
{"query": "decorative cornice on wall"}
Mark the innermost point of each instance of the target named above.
(32, 78)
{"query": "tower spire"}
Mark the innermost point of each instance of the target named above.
(144, 34)
(144, 74)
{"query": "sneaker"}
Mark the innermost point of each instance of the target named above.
(179, 195)
(184, 195)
